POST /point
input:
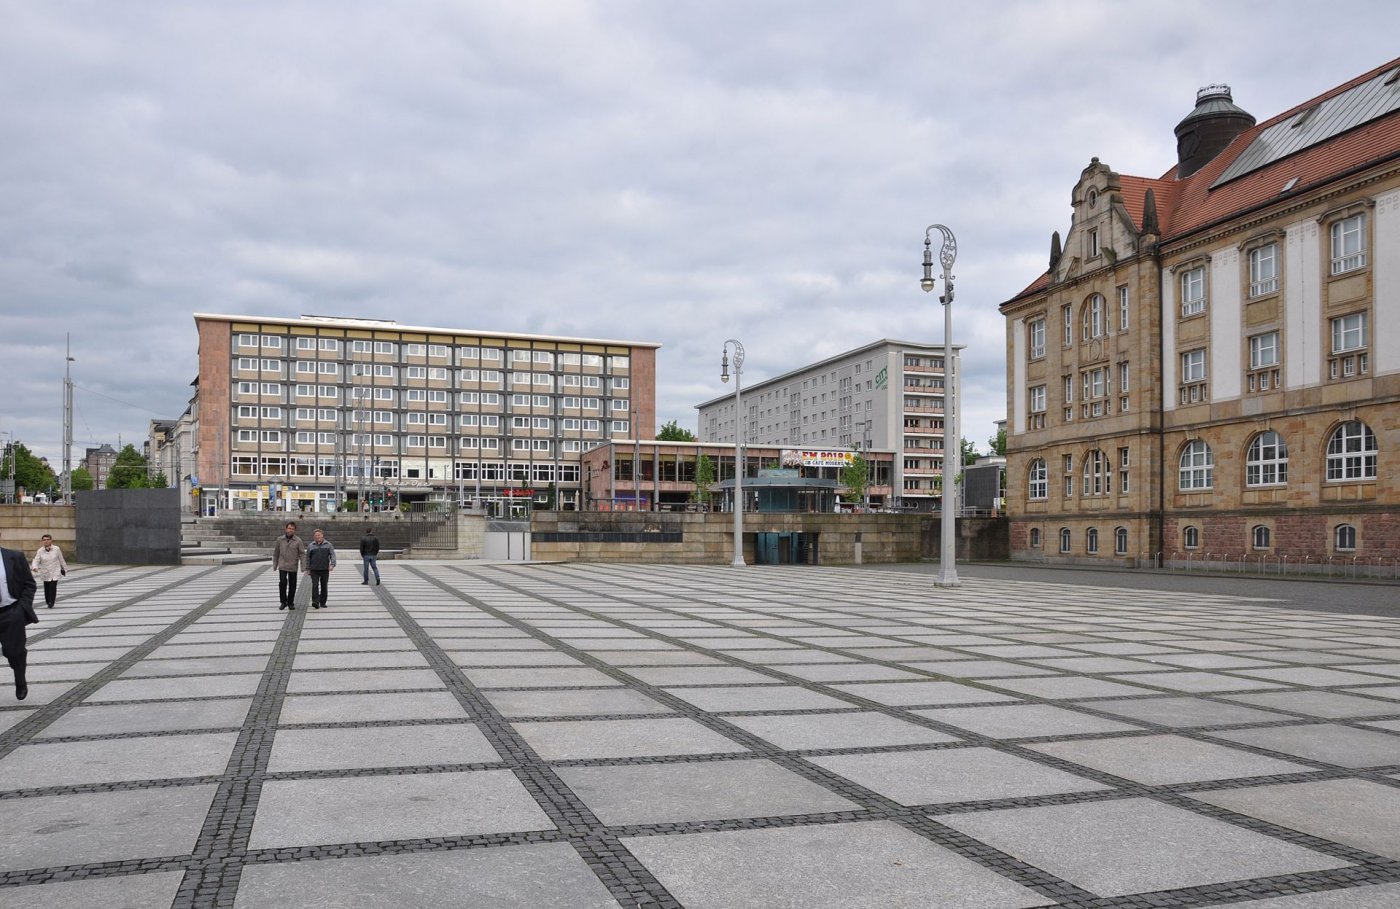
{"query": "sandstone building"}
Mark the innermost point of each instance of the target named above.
(1210, 367)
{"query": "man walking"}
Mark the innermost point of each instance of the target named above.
(287, 556)
(369, 552)
(320, 562)
(16, 610)
(48, 564)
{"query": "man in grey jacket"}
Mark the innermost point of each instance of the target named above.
(320, 562)
(287, 556)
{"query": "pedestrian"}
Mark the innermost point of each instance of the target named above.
(49, 566)
(320, 562)
(369, 552)
(288, 554)
(16, 610)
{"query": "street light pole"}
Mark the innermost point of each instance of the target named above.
(68, 421)
(738, 446)
(947, 569)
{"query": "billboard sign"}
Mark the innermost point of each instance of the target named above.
(807, 457)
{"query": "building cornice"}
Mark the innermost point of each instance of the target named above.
(382, 325)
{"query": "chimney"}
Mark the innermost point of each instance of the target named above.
(1208, 129)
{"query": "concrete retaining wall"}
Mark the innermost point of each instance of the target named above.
(21, 526)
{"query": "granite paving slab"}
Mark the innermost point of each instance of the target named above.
(977, 669)
(389, 659)
(370, 707)
(361, 680)
(102, 826)
(864, 865)
(569, 739)
(767, 697)
(1181, 711)
(701, 675)
(1024, 720)
(1135, 845)
(537, 678)
(587, 702)
(10, 717)
(1356, 813)
(177, 688)
(347, 748)
(666, 793)
(1340, 745)
(851, 672)
(1327, 704)
(1161, 760)
(859, 729)
(532, 876)
(904, 694)
(1194, 682)
(1068, 687)
(953, 775)
(130, 891)
(406, 806)
(197, 666)
(162, 716)
(484, 658)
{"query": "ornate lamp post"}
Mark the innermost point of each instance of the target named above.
(738, 446)
(952, 448)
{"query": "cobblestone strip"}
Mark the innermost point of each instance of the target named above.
(869, 800)
(627, 879)
(40, 719)
(105, 611)
(1371, 868)
(216, 859)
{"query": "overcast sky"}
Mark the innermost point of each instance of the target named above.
(672, 172)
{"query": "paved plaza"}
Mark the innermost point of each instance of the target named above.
(579, 736)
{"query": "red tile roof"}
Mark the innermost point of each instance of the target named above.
(1185, 206)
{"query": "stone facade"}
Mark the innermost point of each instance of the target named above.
(1199, 342)
(21, 526)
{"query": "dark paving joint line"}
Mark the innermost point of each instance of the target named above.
(626, 878)
(105, 611)
(212, 880)
(868, 799)
(25, 730)
(1379, 868)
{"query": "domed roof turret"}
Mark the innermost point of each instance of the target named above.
(1209, 129)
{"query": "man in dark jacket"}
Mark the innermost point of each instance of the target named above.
(320, 562)
(16, 610)
(369, 551)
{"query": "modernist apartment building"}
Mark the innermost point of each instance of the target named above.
(304, 413)
(885, 396)
(1210, 368)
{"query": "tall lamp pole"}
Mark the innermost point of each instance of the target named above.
(947, 567)
(68, 421)
(738, 446)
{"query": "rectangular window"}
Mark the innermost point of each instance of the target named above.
(436, 396)
(1037, 337)
(272, 342)
(1067, 392)
(622, 426)
(1263, 270)
(1067, 316)
(1094, 243)
(1263, 350)
(1037, 399)
(1123, 308)
(1193, 291)
(1193, 365)
(383, 347)
(415, 372)
(328, 368)
(306, 366)
(330, 345)
(360, 346)
(1349, 332)
(1123, 376)
(247, 341)
(306, 343)
(415, 394)
(1348, 244)
(437, 350)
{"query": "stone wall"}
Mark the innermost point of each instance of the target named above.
(344, 529)
(21, 526)
(707, 539)
(129, 527)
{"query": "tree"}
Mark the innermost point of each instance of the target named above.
(129, 470)
(81, 479)
(159, 481)
(855, 476)
(670, 432)
(998, 443)
(969, 452)
(29, 473)
(704, 479)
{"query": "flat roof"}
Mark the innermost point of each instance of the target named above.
(936, 348)
(389, 325)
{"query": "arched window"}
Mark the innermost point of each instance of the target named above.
(1266, 462)
(1191, 538)
(1261, 536)
(1095, 474)
(1197, 467)
(1120, 541)
(1351, 452)
(1064, 539)
(1039, 485)
(1091, 540)
(1093, 318)
(1035, 537)
(1344, 538)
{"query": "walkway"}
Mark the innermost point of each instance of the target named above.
(567, 737)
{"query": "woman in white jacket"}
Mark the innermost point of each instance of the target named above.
(48, 566)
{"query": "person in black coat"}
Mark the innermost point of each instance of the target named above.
(369, 551)
(16, 610)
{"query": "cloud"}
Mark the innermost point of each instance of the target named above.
(680, 173)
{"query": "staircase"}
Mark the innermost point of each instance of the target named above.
(208, 544)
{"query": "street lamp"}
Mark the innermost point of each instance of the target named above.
(947, 570)
(738, 446)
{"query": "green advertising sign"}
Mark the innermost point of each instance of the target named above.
(882, 377)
